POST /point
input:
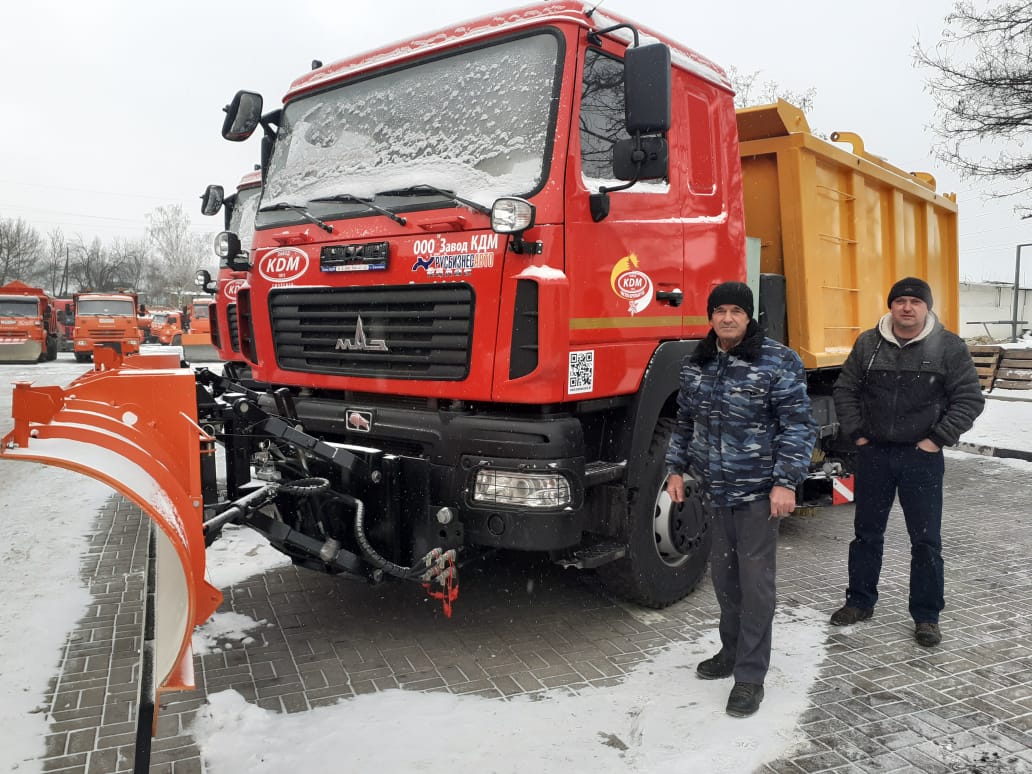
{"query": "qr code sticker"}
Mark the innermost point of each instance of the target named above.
(582, 372)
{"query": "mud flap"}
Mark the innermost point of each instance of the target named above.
(132, 424)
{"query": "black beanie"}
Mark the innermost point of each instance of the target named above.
(737, 293)
(911, 286)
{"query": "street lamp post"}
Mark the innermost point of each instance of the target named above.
(1017, 287)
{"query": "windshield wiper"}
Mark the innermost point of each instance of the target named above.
(422, 188)
(359, 200)
(302, 211)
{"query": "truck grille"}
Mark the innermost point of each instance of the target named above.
(233, 323)
(397, 332)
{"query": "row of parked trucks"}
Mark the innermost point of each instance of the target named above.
(476, 262)
(34, 327)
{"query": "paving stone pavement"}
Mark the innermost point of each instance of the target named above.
(881, 703)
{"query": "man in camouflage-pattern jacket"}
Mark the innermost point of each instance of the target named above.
(746, 433)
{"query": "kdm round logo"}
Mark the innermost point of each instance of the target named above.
(630, 283)
(283, 264)
(231, 288)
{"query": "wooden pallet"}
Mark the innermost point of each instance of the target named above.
(1014, 371)
(987, 359)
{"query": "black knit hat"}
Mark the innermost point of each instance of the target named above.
(911, 286)
(737, 293)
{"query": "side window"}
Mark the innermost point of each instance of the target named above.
(601, 116)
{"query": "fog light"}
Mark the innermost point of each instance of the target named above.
(445, 515)
(530, 490)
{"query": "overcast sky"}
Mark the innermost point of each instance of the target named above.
(114, 106)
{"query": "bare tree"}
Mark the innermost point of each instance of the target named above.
(20, 251)
(749, 90)
(96, 268)
(178, 251)
(56, 263)
(134, 260)
(981, 83)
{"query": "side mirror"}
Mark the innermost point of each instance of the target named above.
(212, 199)
(243, 115)
(647, 89)
(641, 158)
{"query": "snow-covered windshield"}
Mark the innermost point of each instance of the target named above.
(241, 216)
(159, 319)
(106, 306)
(477, 123)
(19, 307)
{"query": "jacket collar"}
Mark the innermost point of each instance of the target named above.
(885, 329)
(747, 349)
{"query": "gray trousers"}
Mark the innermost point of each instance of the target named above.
(743, 562)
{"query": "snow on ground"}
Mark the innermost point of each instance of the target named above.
(645, 723)
(649, 722)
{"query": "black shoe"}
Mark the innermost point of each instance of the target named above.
(847, 615)
(744, 700)
(927, 634)
(715, 668)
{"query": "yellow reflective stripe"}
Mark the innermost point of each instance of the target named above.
(585, 323)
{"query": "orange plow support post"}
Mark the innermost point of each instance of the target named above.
(132, 424)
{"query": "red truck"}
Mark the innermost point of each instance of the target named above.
(478, 262)
(239, 213)
(28, 324)
(105, 320)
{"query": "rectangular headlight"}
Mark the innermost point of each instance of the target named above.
(529, 490)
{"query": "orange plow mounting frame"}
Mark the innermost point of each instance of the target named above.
(132, 424)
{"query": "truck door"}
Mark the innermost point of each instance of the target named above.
(616, 266)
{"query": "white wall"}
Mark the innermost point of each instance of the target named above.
(987, 301)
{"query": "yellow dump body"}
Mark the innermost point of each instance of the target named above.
(842, 226)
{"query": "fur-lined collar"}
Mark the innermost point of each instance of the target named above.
(748, 348)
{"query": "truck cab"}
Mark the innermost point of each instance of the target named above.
(105, 320)
(28, 324)
(239, 212)
(167, 328)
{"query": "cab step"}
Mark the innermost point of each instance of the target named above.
(595, 555)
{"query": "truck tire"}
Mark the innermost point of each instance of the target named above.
(667, 544)
(83, 357)
(52, 347)
(177, 340)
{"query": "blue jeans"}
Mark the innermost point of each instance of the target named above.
(882, 472)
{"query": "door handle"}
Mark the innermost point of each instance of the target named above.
(672, 297)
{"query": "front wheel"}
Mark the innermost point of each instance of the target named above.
(83, 357)
(668, 543)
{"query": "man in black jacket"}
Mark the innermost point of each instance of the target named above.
(908, 388)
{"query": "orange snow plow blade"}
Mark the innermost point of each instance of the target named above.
(132, 424)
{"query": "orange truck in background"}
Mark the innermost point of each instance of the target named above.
(28, 324)
(64, 311)
(167, 327)
(105, 320)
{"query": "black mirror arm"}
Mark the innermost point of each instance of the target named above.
(595, 38)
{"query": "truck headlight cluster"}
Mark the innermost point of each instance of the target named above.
(529, 490)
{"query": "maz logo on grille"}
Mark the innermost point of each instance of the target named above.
(283, 264)
(360, 342)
